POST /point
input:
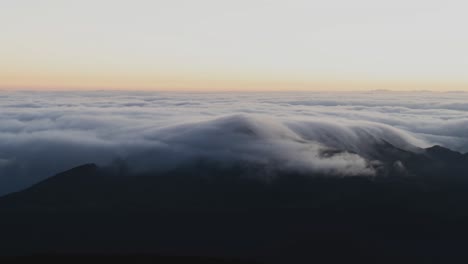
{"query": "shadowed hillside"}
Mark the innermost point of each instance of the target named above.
(414, 210)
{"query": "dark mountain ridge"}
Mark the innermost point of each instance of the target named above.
(415, 208)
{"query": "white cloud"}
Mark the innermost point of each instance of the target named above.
(42, 133)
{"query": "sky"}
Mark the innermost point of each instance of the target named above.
(46, 132)
(243, 45)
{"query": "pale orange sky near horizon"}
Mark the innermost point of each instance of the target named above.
(244, 45)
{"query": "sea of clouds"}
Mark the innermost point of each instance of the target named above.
(43, 133)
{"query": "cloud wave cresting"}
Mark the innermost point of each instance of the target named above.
(42, 133)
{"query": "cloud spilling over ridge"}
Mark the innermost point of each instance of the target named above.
(42, 133)
(244, 138)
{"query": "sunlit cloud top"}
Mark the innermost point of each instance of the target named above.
(230, 45)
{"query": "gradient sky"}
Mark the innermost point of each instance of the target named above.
(234, 45)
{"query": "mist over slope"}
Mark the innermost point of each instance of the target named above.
(43, 133)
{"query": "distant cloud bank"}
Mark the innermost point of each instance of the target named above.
(42, 133)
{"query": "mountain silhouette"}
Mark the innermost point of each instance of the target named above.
(415, 208)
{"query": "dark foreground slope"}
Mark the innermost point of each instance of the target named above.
(416, 211)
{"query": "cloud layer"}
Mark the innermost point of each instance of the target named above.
(42, 133)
